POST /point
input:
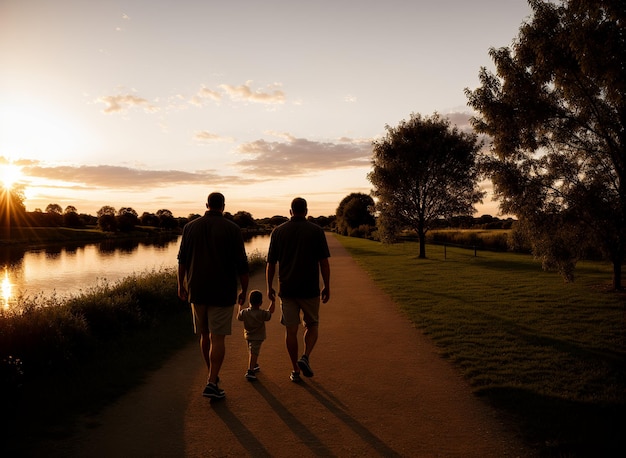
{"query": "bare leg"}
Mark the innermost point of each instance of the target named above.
(205, 348)
(218, 350)
(291, 339)
(252, 361)
(310, 339)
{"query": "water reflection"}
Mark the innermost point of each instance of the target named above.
(5, 289)
(70, 269)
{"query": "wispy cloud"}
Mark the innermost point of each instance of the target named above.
(244, 92)
(299, 156)
(109, 176)
(121, 103)
(205, 94)
(208, 137)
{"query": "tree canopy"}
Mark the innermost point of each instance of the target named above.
(424, 170)
(556, 111)
(355, 210)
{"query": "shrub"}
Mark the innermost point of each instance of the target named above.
(47, 335)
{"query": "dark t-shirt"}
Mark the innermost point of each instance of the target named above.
(298, 246)
(213, 253)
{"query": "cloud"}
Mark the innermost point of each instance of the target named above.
(121, 103)
(299, 156)
(244, 92)
(205, 94)
(109, 176)
(207, 137)
(462, 121)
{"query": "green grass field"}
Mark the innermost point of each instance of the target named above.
(549, 354)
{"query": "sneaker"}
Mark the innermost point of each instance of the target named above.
(303, 364)
(212, 391)
(295, 376)
(256, 368)
(250, 375)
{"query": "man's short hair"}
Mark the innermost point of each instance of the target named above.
(216, 201)
(298, 206)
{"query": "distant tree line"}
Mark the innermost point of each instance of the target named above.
(125, 219)
(356, 216)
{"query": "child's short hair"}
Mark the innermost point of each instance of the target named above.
(256, 297)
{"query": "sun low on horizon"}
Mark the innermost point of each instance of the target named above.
(10, 175)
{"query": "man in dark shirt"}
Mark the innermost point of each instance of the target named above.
(211, 259)
(301, 251)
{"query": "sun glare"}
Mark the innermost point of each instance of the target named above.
(9, 175)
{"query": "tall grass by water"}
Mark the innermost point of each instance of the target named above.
(61, 357)
(548, 354)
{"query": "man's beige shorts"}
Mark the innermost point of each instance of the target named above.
(292, 306)
(213, 319)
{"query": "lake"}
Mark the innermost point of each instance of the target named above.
(67, 270)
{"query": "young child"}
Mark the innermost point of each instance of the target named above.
(254, 319)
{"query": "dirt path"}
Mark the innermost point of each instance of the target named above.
(380, 389)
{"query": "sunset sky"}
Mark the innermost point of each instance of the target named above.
(152, 104)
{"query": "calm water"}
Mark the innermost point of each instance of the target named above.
(70, 270)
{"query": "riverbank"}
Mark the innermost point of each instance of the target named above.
(41, 236)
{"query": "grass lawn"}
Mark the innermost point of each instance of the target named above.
(547, 353)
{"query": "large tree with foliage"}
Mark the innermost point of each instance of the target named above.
(556, 111)
(354, 210)
(424, 170)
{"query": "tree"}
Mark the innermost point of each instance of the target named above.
(424, 170)
(166, 219)
(106, 219)
(54, 208)
(556, 111)
(149, 219)
(127, 219)
(54, 215)
(277, 220)
(71, 217)
(354, 210)
(244, 219)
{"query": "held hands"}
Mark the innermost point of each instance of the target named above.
(271, 294)
(272, 306)
(241, 299)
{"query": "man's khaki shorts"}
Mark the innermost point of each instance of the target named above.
(292, 306)
(213, 319)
